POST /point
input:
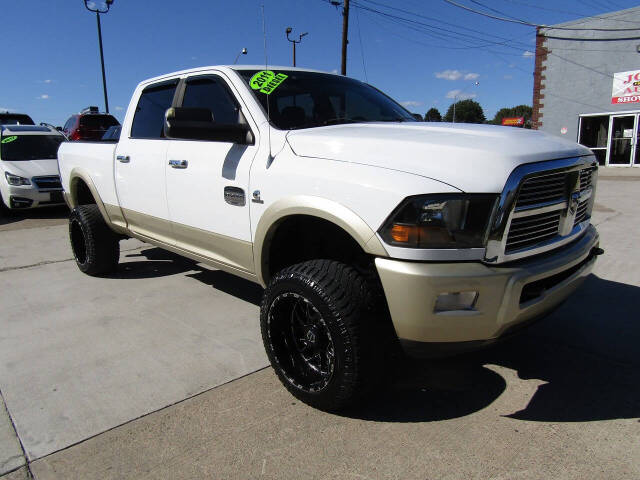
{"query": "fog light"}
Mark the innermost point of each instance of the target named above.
(450, 301)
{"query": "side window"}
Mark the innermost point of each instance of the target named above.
(69, 125)
(148, 121)
(213, 94)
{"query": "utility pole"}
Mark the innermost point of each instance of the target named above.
(345, 34)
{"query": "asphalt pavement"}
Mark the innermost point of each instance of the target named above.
(159, 372)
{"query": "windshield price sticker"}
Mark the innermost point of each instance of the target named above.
(267, 81)
(10, 139)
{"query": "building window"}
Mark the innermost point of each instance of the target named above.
(594, 133)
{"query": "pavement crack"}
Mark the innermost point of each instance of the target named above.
(15, 430)
(50, 262)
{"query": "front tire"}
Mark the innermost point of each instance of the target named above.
(318, 328)
(95, 246)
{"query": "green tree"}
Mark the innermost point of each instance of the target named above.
(518, 111)
(467, 111)
(433, 115)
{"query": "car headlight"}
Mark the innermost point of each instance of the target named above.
(440, 221)
(15, 180)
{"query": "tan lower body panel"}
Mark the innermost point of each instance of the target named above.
(411, 289)
(220, 251)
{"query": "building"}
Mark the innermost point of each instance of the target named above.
(586, 84)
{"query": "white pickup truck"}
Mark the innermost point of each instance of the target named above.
(367, 228)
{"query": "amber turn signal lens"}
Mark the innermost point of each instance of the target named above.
(404, 233)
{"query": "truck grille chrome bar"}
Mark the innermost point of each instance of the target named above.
(543, 206)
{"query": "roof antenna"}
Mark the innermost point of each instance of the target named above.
(266, 67)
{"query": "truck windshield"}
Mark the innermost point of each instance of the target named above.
(30, 147)
(309, 99)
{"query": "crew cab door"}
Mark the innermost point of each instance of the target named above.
(208, 181)
(140, 164)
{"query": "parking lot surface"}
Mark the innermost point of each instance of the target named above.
(158, 372)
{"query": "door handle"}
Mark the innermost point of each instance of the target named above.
(123, 158)
(178, 163)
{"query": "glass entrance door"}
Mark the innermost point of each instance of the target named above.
(623, 139)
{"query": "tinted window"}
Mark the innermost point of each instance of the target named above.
(30, 147)
(148, 121)
(212, 94)
(70, 123)
(98, 122)
(15, 119)
(309, 99)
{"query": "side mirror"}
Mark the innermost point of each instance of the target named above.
(198, 124)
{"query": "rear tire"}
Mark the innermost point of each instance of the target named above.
(95, 246)
(319, 332)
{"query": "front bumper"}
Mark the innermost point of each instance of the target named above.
(508, 296)
(28, 196)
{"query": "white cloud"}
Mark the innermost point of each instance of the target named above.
(410, 103)
(6, 109)
(44, 96)
(194, 58)
(508, 77)
(449, 74)
(528, 54)
(47, 81)
(119, 108)
(460, 95)
(335, 70)
(471, 76)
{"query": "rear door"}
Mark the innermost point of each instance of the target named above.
(208, 181)
(140, 164)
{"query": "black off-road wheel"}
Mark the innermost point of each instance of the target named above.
(95, 246)
(319, 328)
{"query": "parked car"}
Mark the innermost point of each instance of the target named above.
(9, 118)
(89, 124)
(29, 166)
(367, 228)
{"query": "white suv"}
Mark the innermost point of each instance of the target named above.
(29, 175)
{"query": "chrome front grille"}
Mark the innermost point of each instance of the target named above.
(530, 230)
(586, 178)
(48, 182)
(543, 206)
(542, 189)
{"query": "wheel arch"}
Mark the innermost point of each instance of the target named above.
(82, 191)
(321, 209)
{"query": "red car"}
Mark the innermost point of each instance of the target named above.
(89, 124)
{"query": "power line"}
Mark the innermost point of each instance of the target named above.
(555, 10)
(529, 24)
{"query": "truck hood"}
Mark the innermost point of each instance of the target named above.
(472, 158)
(32, 168)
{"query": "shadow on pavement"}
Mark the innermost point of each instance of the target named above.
(586, 353)
(45, 213)
(161, 262)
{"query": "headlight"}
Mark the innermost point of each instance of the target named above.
(440, 221)
(16, 180)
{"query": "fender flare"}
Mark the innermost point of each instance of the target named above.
(319, 207)
(77, 174)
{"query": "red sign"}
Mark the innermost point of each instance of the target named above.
(513, 121)
(626, 87)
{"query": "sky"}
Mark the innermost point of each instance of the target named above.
(50, 65)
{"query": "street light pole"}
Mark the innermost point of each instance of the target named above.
(93, 7)
(288, 31)
(104, 78)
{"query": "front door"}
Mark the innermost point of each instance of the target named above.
(208, 181)
(623, 139)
